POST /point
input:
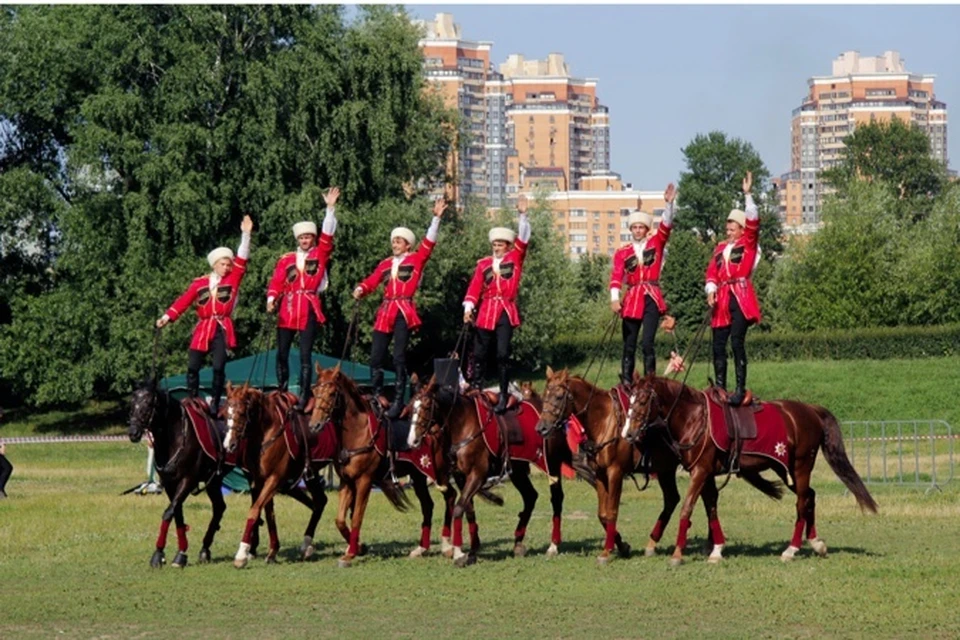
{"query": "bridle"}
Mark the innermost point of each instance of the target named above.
(327, 408)
(550, 405)
(635, 436)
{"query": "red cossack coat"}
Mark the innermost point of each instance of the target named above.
(296, 291)
(732, 277)
(496, 293)
(398, 291)
(214, 308)
(641, 275)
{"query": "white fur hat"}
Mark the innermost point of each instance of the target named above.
(502, 233)
(304, 227)
(218, 253)
(639, 217)
(403, 232)
(738, 216)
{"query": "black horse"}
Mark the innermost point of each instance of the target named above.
(181, 464)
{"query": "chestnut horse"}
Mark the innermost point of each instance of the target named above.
(259, 420)
(452, 417)
(613, 458)
(181, 464)
(360, 462)
(808, 428)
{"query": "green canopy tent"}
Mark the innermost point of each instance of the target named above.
(260, 370)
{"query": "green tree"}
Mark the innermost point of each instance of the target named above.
(711, 187)
(893, 153)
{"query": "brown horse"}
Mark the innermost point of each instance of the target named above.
(362, 460)
(612, 458)
(686, 415)
(453, 419)
(264, 423)
(181, 464)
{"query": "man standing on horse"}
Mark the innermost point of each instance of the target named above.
(297, 281)
(216, 296)
(730, 292)
(495, 284)
(397, 315)
(638, 265)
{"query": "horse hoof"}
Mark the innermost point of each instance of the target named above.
(553, 551)
(603, 560)
(417, 553)
(676, 562)
(471, 560)
(624, 550)
(446, 548)
(240, 563)
(157, 560)
(179, 560)
(461, 561)
(819, 547)
(789, 553)
(271, 559)
(649, 552)
(345, 563)
(204, 557)
(714, 559)
(307, 548)
(519, 550)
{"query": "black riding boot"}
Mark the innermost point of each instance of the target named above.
(504, 390)
(396, 407)
(193, 383)
(720, 369)
(376, 381)
(217, 393)
(650, 365)
(305, 390)
(740, 368)
(283, 375)
(627, 363)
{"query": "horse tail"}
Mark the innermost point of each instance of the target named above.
(491, 497)
(836, 455)
(772, 489)
(396, 495)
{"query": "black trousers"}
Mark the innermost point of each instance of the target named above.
(502, 333)
(736, 333)
(284, 340)
(5, 470)
(381, 341)
(646, 328)
(218, 349)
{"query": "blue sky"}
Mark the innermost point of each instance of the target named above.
(670, 72)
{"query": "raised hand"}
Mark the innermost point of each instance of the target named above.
(246, 226)
(330, 197)
(669, 193)
(439, 206)
(522, 204)
(748, 182)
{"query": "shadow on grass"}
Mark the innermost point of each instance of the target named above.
(768, 549)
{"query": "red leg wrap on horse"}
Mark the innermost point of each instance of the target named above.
(446, 531)
(555, 536)
(162, 538)
(425, 537)
(458, 532)
(797, 540)
(248, 530)
(682, 533)
(182, 538)
(812, 532)
(717, 532)
(611, 536)
(657, 532)
(354, 547)
(519, 533)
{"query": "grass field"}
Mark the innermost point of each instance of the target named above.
(74, 555)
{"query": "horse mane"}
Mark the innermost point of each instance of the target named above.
(351, 390)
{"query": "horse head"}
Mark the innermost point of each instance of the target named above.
(557, 402)
(326, 394)
(422, 409)
(143, 408)
(642, 409)
(240, 407)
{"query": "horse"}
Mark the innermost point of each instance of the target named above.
(685, 413)
(276, 456)
(613, 458)
(362, 458)
(453, 418)
(181, 463)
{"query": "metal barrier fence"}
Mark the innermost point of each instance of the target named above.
(903, 452)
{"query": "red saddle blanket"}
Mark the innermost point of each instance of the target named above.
(205, 429)
(324, 444)
(771, 441)
(527, 417)
(421, 458)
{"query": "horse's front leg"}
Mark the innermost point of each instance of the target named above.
(215, 493)
(667, 479)
(697, 478)
(361, 495)
(318, 497)
(555, 475)
(611, 511)
(267, 491)
(715, 536)
(471, 486)
(271, 518)
(177, 494)
(426, 510)
(521, 480)
(449, 501)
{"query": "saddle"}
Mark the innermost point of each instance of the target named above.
(508, 421)
(741, 423)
